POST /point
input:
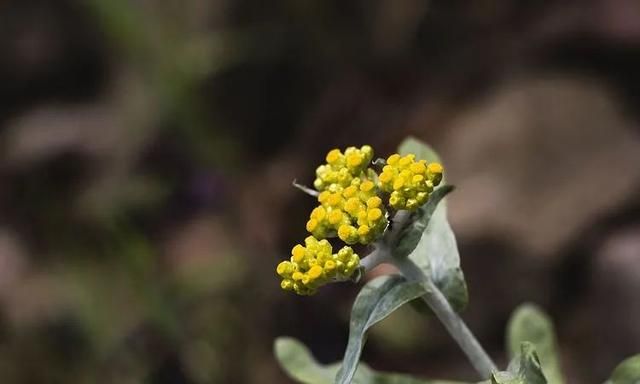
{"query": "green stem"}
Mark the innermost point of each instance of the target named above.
(448, 316)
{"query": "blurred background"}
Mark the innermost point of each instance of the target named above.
(148, 146)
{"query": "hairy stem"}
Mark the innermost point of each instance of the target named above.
(434, 297)
(451, 320)
(378, 256)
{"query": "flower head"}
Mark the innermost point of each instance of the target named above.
(314, 265)
(409, 182)
(353, 203)
(349, 204)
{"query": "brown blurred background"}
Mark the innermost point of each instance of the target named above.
(147, 150)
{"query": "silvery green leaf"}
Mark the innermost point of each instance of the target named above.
(437, 255)
(505, 378)
(526, 365)
(437, 251)
(299, 364)
(377, 299)
(422, 150)
(627, 372)
(530, 323)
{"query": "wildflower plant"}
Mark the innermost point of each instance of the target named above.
(394, 209)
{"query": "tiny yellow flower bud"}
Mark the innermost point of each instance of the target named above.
(329, 265)
(363, 230)
(374, 214)
(298, 253)
(312, 224)
(367, 151)
(385, 176)
(334, 188)
(310, 241)
(393, 159)
(333, 156)
(406, 160)
(318, 213)
(323, 196)
(351, 266)
(315, 272)
(283, 268)
(435, 172)
(366, 186)
(352, 205)
(286, 284)
(347, 233)
(297, 276)
(344, 177)
(350, 191)
(396, 200)
(354, 160)
(335, 216)
(398, 183)
(344, 231)
(334, 199)
(374, 202)
(418, 168)
(344, 253)
(362, 216)
(435, 168)
(417, 179)
(350, 150)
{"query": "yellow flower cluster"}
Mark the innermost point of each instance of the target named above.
(408, 181)
(314, 265)
(349, 204)
(351, 207)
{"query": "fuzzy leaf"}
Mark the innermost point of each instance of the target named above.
(526, 365)
(437, 255)
(627, 372)
(376, 300)
(437, 251)
(505, 378)
(299, 364)
(297, 361)
(530, 323)
(422, 150)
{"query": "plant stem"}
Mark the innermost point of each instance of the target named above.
(452, 322)
(378, 256)
(434, 298)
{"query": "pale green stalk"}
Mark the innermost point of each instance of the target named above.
(434, 299)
